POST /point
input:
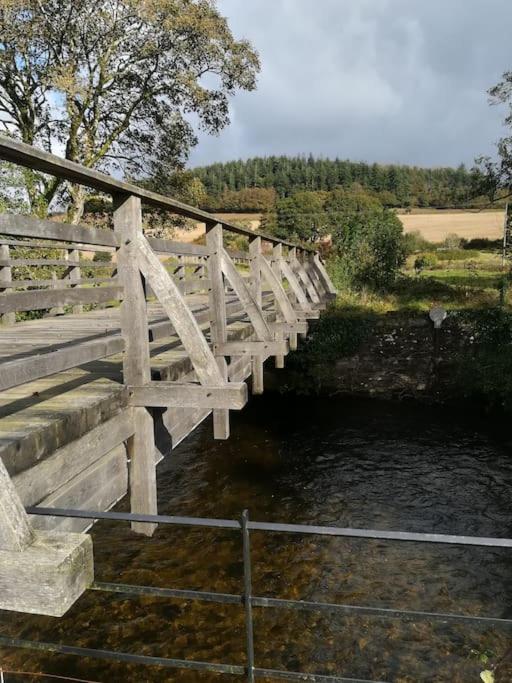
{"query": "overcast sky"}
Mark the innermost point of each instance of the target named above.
(375, 80)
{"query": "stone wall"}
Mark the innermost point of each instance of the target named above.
(399, 358)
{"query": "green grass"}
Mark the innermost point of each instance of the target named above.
(470, 283)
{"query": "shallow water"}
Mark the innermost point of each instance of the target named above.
(340, 462)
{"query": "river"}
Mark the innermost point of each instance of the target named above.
(341, 462)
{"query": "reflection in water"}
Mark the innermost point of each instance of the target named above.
(339, 462)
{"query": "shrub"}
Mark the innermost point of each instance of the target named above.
(415, 242)
(453, 241)
(425, 261)
(102, 256)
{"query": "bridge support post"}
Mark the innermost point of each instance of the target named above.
(136, 364)
(218, 324)
(277, 253)
(255, 286)
(41, 572)
(6, 276)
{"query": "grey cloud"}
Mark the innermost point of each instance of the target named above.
(377, 80)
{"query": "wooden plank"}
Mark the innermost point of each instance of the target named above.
(254, 348)
(14, 373)
(170, 247)
(16, 532)
(31, 157)
(34, 300)
(180, 314)
(34, 244)
(40, 481)
(27, 226)
(105, 482)
(136, 363)
(296, 328)
(19, 284)
(19, 262)
(176, 395)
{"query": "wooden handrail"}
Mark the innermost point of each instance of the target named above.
(37, 160)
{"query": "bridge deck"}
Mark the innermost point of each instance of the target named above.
(40, 417)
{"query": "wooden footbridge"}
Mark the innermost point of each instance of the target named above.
(162, 333)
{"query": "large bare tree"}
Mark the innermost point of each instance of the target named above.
(116, 83)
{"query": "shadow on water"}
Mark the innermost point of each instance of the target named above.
(341, 462)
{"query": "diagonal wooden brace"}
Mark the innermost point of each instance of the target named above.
(180, 315)
(253, 310)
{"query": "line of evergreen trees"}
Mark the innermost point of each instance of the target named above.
(395, 186)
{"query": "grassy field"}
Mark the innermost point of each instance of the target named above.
(457, 279)
(433, 224)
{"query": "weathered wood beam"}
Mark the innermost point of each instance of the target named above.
(228, 396)
(254, 348)
(16, 533)
(179, 313)
(5, 278)
(136, 361)
(300, 327)
(323, 275)
(40, 573)
(255, 254)
(298, 268)
(48, 298)
(218, 322)
(25, 370)
(247, 300)
(26, 226)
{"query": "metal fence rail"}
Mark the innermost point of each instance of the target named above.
(250, 601)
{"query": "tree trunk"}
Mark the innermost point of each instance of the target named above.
(77, 205)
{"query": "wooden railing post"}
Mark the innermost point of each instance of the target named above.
(6, 276)
(255, 287)
(56, 310)
(218, 324)
(136, 361)
(277, 253)
(74, 274)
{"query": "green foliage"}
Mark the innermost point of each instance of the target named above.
(301, 217)
(337, 334)
(414, 242)
(425, 261)
(392, 185)
(115, 82)
(102, 256)
(486, 374)
(367, 244)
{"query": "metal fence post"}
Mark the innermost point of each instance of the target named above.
(247, 596)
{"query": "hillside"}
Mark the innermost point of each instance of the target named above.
(253, 185)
